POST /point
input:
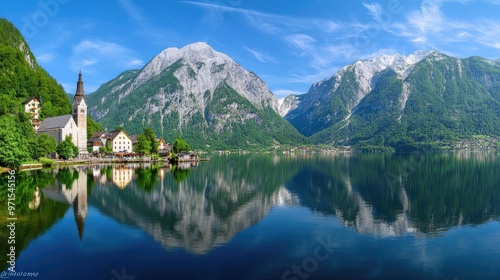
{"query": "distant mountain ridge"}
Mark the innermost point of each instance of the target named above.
(404, 102)
(198, 93)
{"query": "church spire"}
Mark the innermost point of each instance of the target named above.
(79, 85)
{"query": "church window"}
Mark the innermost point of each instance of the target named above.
(82, 111)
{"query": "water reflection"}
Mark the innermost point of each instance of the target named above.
(198, 208)
(71, 188)
(396, 195)
(194, 209)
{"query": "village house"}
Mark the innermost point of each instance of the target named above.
(32, 106)
(74, 125)
(97, 140)
(120, 141)
(162, 144)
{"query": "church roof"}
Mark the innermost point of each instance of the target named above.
(55, 122)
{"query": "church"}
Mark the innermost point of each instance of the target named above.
(74, 125)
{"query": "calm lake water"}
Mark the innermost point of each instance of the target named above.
(348, 216)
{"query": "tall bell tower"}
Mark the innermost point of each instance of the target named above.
(80, 116)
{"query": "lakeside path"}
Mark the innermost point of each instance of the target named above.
(58, 163)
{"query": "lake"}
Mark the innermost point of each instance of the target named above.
(342, 216)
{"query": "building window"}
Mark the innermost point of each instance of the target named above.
(82, 111)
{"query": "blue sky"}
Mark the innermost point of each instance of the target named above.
(290, 44)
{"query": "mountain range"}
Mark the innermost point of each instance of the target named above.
(404, 102)
(418, 101)
(199, 94)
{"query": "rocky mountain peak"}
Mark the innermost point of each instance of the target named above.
(204, 69)
(193, 90)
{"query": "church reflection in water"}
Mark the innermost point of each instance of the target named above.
(207, 207)
(72, 192)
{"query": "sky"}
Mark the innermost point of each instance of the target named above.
(290, 44)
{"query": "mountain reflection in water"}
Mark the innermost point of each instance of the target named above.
(198, 208)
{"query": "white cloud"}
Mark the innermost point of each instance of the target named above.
(430, 28)
(136, 62)
(102, 54)
(260, 56)
(45, 57)
(429, 19)
(375, 10)
(302, 42)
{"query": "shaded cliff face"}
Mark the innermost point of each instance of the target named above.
(198, 93)
(400, 101)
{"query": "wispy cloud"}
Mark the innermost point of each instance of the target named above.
(428, 27)
(45, 57)
(375, 10)
(91, 53)
(273, 23)
(260, 56)
(159, 35)
(302, 42)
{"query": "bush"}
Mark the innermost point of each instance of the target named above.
(46, 162)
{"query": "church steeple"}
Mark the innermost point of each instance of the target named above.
(79, 85)
(80, 116)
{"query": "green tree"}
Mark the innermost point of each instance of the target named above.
(67, 177)
(16, 138)
(46, 144)
(143, 144)
(119, 128)
(66, 149)
(180, 145)
(150, 134)
(180, 174)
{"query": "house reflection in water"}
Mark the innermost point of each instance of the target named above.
(75, 195)
(122, 176)
(99, 175)
(35, 202)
